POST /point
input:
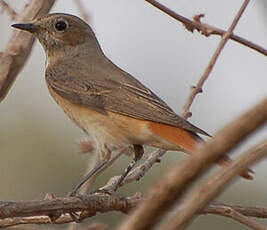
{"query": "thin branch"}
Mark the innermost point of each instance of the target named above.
(206, 29)
(174, 183)
(82, 10)
(56, 210)
(233, 214)
(220, 208)
(198, 88)
(13, 14)
(204, 193)
(137, 173)
(19, 46)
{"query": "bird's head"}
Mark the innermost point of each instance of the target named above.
(57, 31)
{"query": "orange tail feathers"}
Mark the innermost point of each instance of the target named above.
(188, 142)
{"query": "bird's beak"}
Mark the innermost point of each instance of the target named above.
(26, 26)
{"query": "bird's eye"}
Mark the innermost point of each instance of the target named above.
(61, 26)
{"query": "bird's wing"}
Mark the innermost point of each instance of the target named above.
(126, 96)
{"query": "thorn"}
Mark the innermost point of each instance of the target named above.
(188, 114)
(49, 196)
(197, 18)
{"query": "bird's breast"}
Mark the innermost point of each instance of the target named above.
(109, 127)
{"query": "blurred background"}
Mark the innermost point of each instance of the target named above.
(37, 141)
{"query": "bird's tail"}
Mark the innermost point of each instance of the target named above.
(189, 141)
(225, 160)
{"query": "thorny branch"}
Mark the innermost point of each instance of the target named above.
(205, 29)
(198, 88)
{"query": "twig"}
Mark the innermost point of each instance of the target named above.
(19, 46)
(198, 88)
(220, 208)
(202, 194)
(175, 182)
(235, 215)
(206, 29)
(56, 210)
(8, 9)
(138, 172)
(82, 10)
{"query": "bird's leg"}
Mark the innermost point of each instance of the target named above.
(138, 153)
(104, 158)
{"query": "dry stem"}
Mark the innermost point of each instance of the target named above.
(198, 88)
(220, 208)
(206, 29)
(56, 210)
(98, 203)
(138, 172)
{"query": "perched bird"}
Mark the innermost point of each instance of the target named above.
(109, 104)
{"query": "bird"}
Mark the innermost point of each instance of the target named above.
(110, 105)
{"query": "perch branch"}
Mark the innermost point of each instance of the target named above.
(98, 203)
(8, 9)
(19, 46)
(204, 28)
(138, 172)
(174, 183)
(204, 193)
(56, 210)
